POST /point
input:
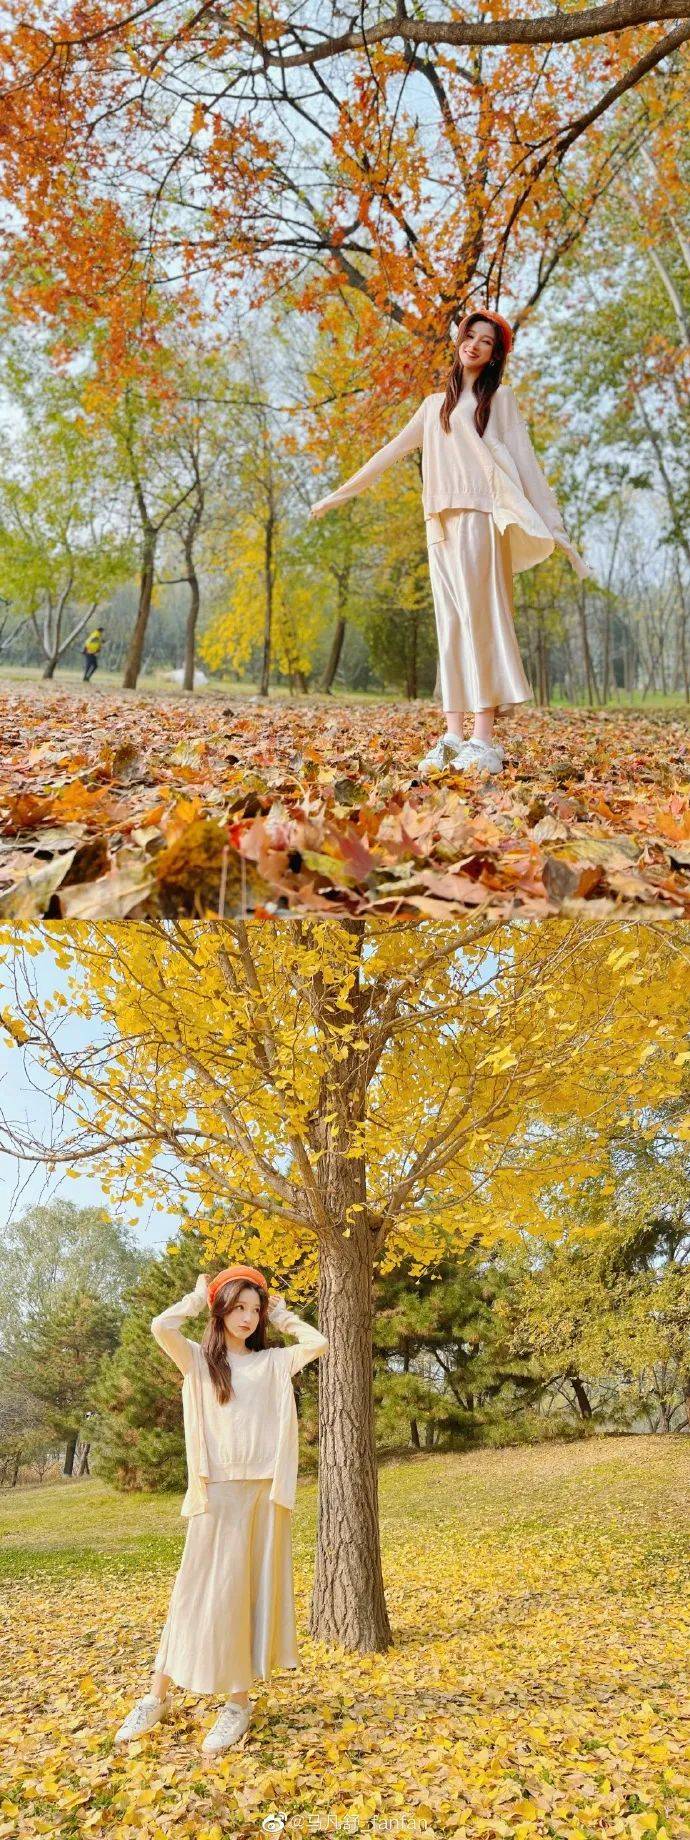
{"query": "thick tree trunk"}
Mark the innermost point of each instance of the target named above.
(83, 1464)
(136, 645)
(348, 1602)
(68, 1465)
(583, 1403)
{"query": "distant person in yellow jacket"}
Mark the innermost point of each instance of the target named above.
(91, 650)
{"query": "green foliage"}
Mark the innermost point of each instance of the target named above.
(138, 1432)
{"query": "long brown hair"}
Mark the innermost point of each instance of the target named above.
(484, 386)
(213, 1340)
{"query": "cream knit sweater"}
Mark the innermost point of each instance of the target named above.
(255, 1433)
(497, 472)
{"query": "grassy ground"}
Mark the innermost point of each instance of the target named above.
(538, 1685)
(157, 683)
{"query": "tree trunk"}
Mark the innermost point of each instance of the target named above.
(49, 667)
(412, 677)
(584, 1406)
(192, 617)
(590, 679)
(268, 601)
(83, 1464)
(17, 1467)
(136, 645)
(68, 1466)
(348, 1603)
(334, 654)
(414, 1434)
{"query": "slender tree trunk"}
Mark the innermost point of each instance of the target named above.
(192, 616)
(16, 1469)
(342, 577)
(412, 678)
(334, 654)
(414, 1434)
(68, 1466)
(348, 1602)
(268, 599)
(590, 679)
(136, 644)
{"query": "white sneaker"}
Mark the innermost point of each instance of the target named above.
(147, 1712)
(230, 1725)
(475, 753)
(442, 754)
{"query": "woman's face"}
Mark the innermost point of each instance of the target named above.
(477, 347)
(242, 1319)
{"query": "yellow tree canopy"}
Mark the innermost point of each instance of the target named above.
(405, 1087)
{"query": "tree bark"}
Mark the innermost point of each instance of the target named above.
(334, 654)
(136, 644)
(583, 1403)
(348, 1603)
(83, 1464)
(192, 616)
(268, 592)
(68, 1466)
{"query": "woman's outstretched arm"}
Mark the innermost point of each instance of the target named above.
(166, 1327)
(310, 1341)
(402, 443)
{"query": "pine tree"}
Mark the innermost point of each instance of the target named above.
(139, 1436)
(54, 1360)
(442, 1355)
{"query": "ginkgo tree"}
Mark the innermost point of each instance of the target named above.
(335, 1096)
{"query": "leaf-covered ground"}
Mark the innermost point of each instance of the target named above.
(539, 1683)
(116, 804)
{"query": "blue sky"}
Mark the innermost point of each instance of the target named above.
(25, 1098)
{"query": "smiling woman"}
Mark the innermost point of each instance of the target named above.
(232, 1612)
(489, 513)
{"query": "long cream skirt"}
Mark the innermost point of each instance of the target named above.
(232, 1613)
(472, 585)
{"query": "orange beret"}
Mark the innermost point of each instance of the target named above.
(235, 1271)
(496, 318)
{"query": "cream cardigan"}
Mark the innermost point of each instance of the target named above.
(274, 1393)
(497, 472)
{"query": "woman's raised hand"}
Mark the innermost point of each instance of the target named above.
(201, 1286)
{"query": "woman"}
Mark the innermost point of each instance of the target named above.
(232, 1616)
(489, 514)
